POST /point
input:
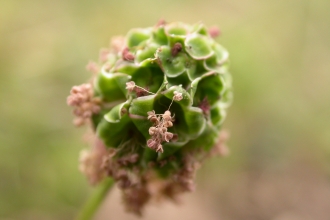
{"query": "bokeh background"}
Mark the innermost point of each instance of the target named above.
(279, 166)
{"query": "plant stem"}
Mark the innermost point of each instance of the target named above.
(93, 203)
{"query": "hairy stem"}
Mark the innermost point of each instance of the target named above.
(94, 202)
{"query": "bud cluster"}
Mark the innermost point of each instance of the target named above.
(186, 176)
(90, 162)
(116, 167)
(84, 103)
(159, 131)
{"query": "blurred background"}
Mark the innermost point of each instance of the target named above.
(279, 166)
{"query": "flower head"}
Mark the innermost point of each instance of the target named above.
(156, 100)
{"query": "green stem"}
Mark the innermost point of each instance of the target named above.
(93, 203)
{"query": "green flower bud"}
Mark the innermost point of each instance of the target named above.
(157, 104)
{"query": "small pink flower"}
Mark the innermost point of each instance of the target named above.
(151, 143)
(130, 86)
(160, 148)
(177, 96)
(168, 136)
(152, 130)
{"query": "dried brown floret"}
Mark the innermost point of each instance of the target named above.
(177, 47)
